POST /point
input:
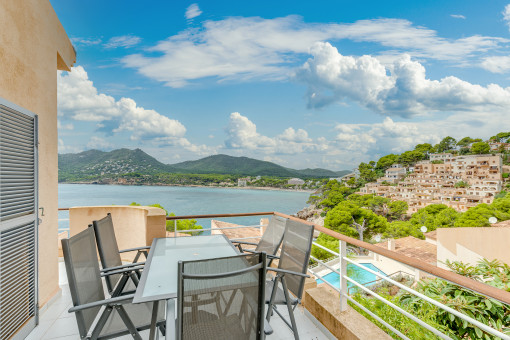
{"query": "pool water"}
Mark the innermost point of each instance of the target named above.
(354, 272)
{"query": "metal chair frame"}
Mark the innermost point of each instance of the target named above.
(271, 255)
(261, 266)
(108, 305)
(127, 271)
(280, 277)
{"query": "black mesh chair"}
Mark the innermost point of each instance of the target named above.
(270, 240)
(97, 317)
(221, 298)
(111, 261)
(291, 272)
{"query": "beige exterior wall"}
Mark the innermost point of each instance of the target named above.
(33, 44)
(135, 226)
(471, 244)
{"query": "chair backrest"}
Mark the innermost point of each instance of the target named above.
(295, 254)
(273, 236)
(83, 275)
(107, 248)
(222, 298)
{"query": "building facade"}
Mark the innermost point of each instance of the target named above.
(459, 182)
(33, 46)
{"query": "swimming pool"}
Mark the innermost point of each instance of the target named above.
(354, 272)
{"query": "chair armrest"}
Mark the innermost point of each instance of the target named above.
(134, 249)
(123, 266)
(283, 271)
(111, 301)
(243, 242)
(120, 271)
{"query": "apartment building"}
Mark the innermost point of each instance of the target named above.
(445, 157)
(460, 182)
(496, 146)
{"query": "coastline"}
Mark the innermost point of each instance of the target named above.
(197, 186)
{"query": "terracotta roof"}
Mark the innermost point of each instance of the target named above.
(415, 248)
(237, 233)
(431, 234)
(501, 224)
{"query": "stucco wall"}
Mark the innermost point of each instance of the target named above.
(134, 226)
(32, 40)
(471, 244)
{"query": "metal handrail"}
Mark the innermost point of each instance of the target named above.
(457, 279)
(478, 287)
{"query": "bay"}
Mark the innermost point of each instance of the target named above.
(183, 200)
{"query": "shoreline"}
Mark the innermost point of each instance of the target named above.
(197, 186)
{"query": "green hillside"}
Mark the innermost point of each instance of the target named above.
(93, 164)
(223, 164)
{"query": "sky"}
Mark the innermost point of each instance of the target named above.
(303, 84)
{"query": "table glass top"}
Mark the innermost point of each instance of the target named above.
(159, 278)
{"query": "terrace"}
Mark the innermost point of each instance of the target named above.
(330, 308)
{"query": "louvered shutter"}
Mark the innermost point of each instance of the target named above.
(18, 221)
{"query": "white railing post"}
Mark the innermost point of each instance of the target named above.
(342, 245)
(175, 228)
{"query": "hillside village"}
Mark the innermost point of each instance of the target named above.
(457, 181)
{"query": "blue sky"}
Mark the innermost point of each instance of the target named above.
(303, 84)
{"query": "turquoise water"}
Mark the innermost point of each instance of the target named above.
(356, 273)
(184, 200)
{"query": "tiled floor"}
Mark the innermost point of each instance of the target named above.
(56, 323)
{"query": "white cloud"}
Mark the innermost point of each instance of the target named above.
(496, 64)
(77, 41)
(506, 15)
(78, 99)
(61, 126)
(457, 16)
(246, 48)
(192, 11)
(99, 143)
(242, 134)
(401, 89)
(124, 41)
(62, 148)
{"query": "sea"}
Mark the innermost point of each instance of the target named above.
(183, 200)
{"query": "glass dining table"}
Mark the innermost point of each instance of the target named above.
(159, 278)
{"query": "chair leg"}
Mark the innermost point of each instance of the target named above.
(117, 290)
(137, 256)
(101, 322)
(127, 321)
(290, 309)
(271, 300)
(134, 278)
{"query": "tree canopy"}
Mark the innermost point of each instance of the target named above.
(480, 148)
(446, 144)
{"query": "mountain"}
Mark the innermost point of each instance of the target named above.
(96, 163)
(224, 164)
(121, 161)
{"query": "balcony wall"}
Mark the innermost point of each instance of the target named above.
(135, 226)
